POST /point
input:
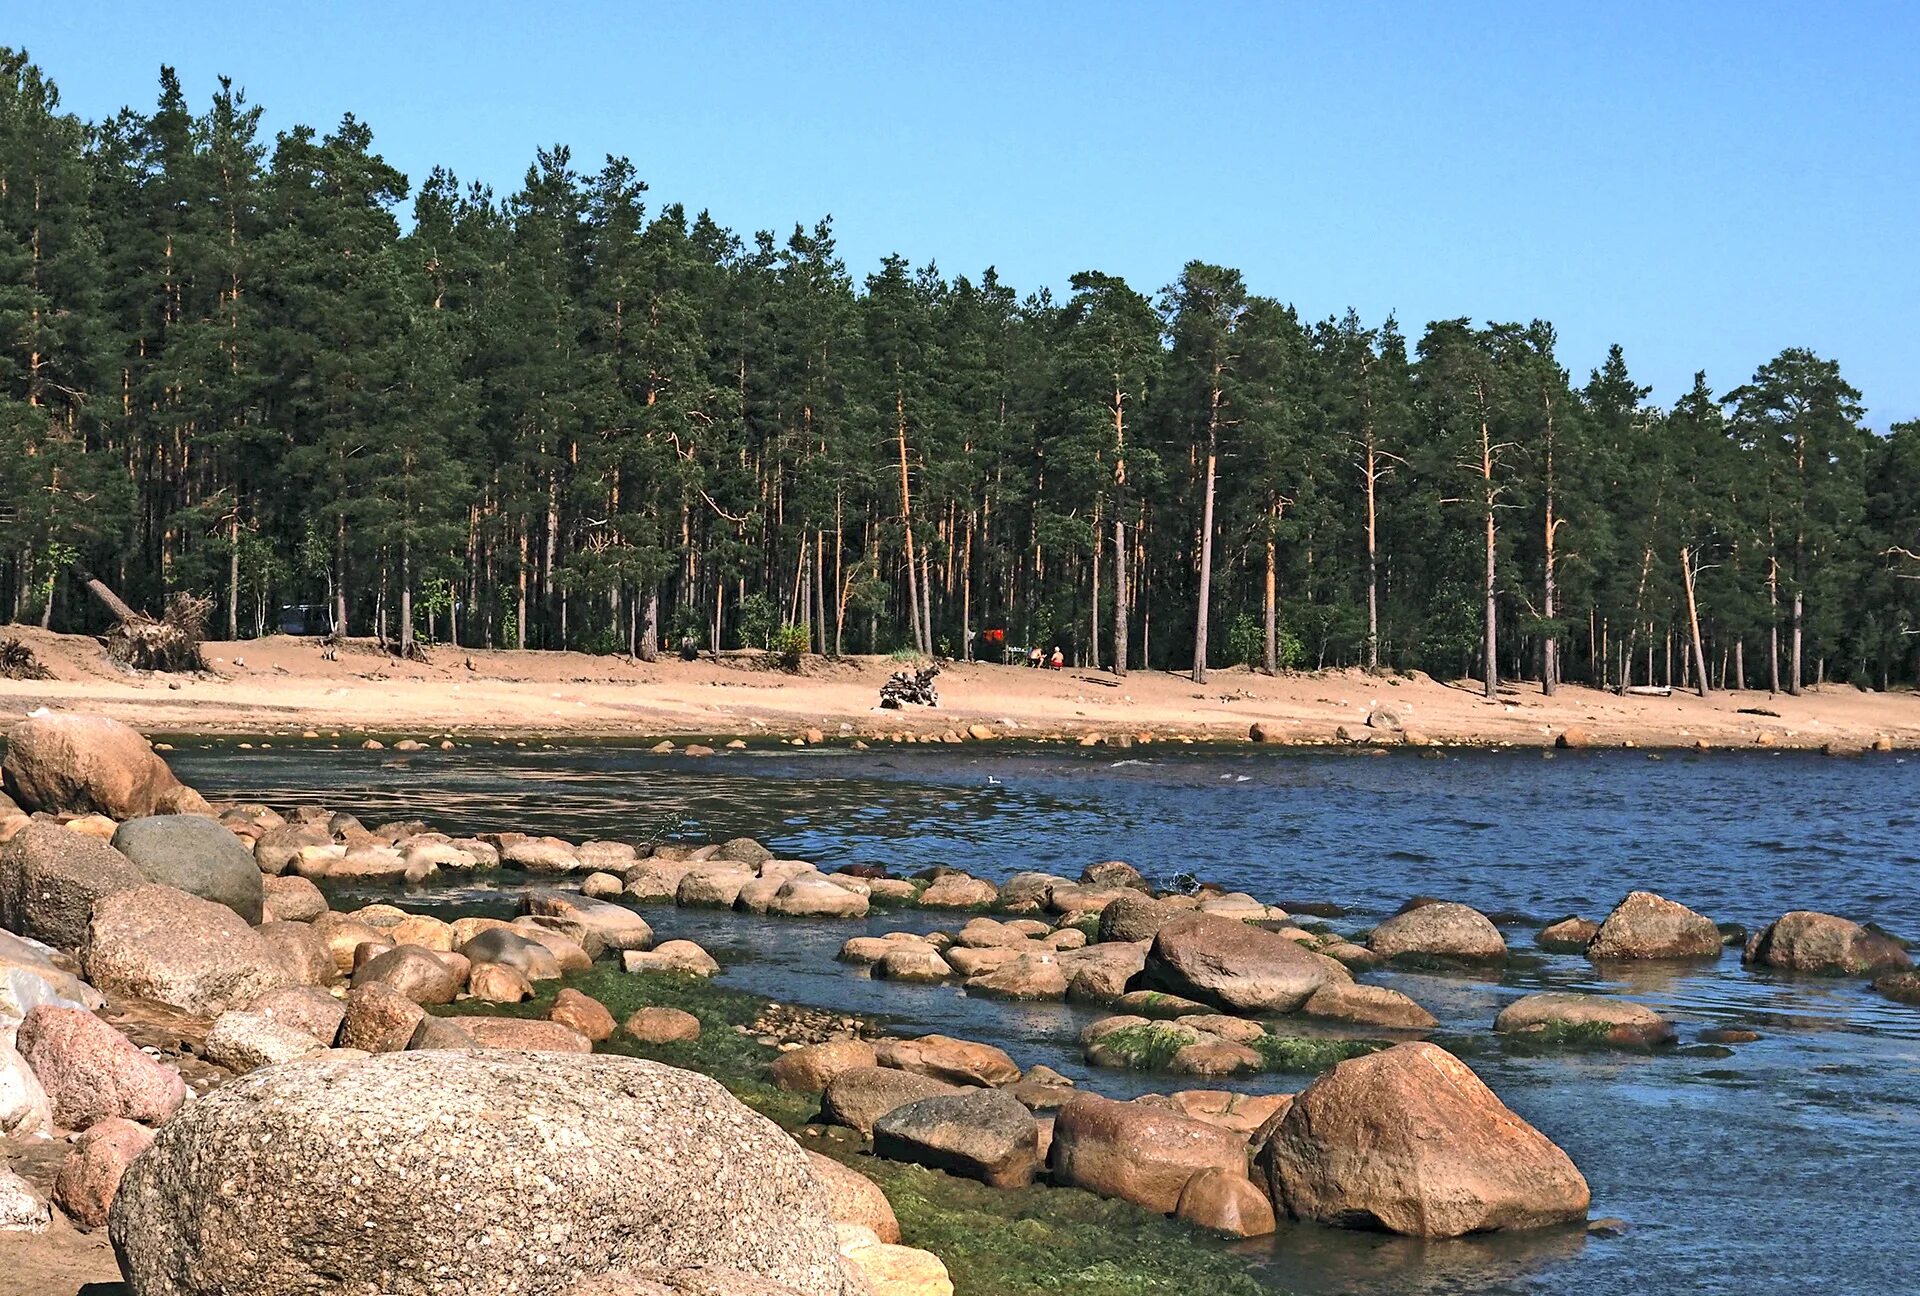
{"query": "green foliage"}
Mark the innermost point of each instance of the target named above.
(789, 647)
(1309, 1055)
(1147, 1047)
(587, 414)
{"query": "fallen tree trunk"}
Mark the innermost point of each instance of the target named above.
(171, 643)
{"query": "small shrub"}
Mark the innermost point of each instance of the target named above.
(790, 646)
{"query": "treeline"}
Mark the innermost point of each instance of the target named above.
(567, 418)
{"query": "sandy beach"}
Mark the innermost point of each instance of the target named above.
(284, 685)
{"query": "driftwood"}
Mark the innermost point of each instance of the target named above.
(171, 643)
(916, 689)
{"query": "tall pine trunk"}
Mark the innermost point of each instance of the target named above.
(1119, 596)
(1206, 534)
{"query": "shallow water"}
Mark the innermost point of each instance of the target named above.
(1791, 1164)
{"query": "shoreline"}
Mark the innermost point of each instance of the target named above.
(284, 687)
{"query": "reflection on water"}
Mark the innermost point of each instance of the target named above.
(1789, 1164)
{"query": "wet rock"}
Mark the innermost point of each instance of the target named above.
(303, 955)
(1073, 901)
(1601, 1018)
(1212, 1056)
(1036, 976)
(991, 933)
(1729, 1035)
(919, 964)
(1410, 1141)
(1568, 936)
(87, 764)
(290, 899)
(90, 1071)
(852, 1198)
(154, 942)
(1113, 873)
(514, 949)
(1803, 941)
(983, 1134)
(1226, 1203)
(860, 1096)
(813, 896)
(194, 854)
(537, 854)
(50, 879)
(865, 951)
(412, 971)
(87, 1181)
(1135, 918)
(582, 1013)
(1903, 987)
(1440, 930)
(1368, 1005)
(1138, 1153)
(379, 1019)
(663, 1026)
(942, 1057)
(682, 956)
(595, 925)
(959, 891)
(242, 1041)
(497, 1172)
(1237, 967)
(713, 886)
(1100, 973)
(811, 1068)
(522, 1033)
(1648, 926)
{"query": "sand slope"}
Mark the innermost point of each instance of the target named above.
(281, 685)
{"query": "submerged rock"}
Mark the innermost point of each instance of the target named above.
(1803, 941)
(1410, 1140)
(431, 1173)
(1602, 1018)
(1568, 936)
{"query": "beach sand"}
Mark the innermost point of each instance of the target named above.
(283, 685)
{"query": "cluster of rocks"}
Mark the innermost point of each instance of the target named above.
(1407, 1139)
(510, 1156)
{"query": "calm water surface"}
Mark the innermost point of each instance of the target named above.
(1790, 1165)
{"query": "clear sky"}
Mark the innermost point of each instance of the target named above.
(1702, 183)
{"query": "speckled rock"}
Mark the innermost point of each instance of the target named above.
(523, 1033)
(957, 1061)
(290, 899)
(1805, 941)
(1440, 930)
(244, 1041)
(50, 879)
(154, 942)
(22, 1210)
(24, 1106)
(379, 1019)
(1225, 962)
(513, 949)
(305, 1008)
(682, 956)
(302, 952)
(85, 1185)
(1649, 926)
(90, 1071)
(497, 1174)
(410, 970)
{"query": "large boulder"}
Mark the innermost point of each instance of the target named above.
(1138, 1153)
(1602, 1018)
(812, 896)
(1038, 975)
(90, 1071)
(1648, 926)
(812, 1067)
(1803, 941)
(442, 1172)
(86, 764)
(197, 855)
(984, 1134)
(50, 879)
(302, 952)
(1442, 930)
(1099, 973)
(1227, 963)
(859, 1096)
(155, 942)
(411, 971)
(1226, 1203)
(1136, 918)
(1410, 1141)
(1368, 1005)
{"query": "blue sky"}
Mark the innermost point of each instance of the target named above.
(1702, 183)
